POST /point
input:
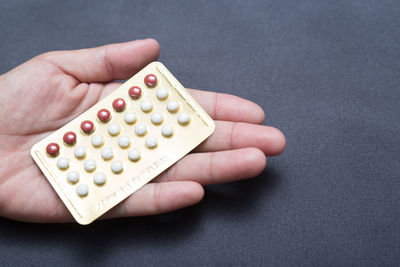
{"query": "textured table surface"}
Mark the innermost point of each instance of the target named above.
(327, 73)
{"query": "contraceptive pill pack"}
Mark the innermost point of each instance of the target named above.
(122, 142)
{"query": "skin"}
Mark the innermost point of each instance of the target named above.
(46, 92)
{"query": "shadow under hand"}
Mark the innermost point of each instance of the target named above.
(104, 237)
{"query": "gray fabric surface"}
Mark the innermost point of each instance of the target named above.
(326, 73)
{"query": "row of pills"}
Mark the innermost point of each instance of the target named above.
(114, 129)
(90, 165)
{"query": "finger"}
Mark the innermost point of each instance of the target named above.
(228, 134)
(219, 106)
(231, 135)
(155, 198)
(216, 167)
(106, 63)
(229, 107)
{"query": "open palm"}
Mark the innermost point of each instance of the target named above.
(46, 92)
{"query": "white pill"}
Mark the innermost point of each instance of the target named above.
(97, 140)
(134, 154)
(156, 118)
(162, 93)
(146, 106)
(130, 117)
(151, 142)
(73, 177)
(113, 129)
(82, 190)
(172, 106)
(123, 141)
(116, 166)
(106, 153)
(89, 165)
(183, 118)
(166, 130)
(140, 129)
(80, 152)
(63, 163)
(99, 178)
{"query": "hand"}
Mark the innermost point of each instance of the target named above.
(46, 92)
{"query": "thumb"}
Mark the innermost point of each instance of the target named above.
(106, 63)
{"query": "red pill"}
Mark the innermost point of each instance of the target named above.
(135, 92)
(69, 138)
(87, 126)
(52, 149)
(119, 104)
(103, 115)
(150, 80)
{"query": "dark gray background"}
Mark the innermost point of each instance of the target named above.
(326, 73)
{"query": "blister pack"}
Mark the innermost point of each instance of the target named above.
(122, 142)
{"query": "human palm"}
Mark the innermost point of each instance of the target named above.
(46, 92)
